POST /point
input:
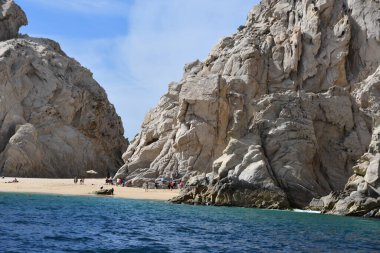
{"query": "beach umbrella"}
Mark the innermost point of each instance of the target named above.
(93, 172)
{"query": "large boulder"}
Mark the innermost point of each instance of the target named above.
(55, 119)
(278, 113)
(12, 18)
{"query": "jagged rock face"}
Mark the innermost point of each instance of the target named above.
(55, 119)
(361, 195)
(11, 19)
(276, 115)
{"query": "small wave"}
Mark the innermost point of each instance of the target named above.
(305, 211)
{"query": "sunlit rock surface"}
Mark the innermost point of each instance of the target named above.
(278, 114)
(55, 119)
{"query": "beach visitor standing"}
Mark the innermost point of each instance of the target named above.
(146, 186)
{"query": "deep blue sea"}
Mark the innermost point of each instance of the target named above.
(45, 223)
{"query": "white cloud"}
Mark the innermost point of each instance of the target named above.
(136, 68)
(165, 35)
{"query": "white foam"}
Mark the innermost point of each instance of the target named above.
(305, 211)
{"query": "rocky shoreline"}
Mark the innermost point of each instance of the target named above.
(55, 119)
(280, 113)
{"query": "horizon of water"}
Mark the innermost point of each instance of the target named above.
(49, 223)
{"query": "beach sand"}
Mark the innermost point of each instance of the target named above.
(67, 187)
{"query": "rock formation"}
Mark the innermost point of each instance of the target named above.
(55, 119)
(11, 19)
(361, 195)
(278, 114)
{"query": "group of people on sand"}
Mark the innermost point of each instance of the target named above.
(118, 182)
(109, 180)
(173, 185)
(170, 185)
(81, 181)
(158, 184)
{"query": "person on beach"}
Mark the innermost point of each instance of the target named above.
(109, 181)
(156, 185)
(146, 186)
(13, 181)
(75, 180)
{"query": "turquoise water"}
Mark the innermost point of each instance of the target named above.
(44, 223)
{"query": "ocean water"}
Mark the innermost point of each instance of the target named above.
(45, 223)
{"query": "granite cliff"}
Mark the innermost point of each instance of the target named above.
(278, 114)
(55, 119)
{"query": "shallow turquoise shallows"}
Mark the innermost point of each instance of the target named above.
(44, 223)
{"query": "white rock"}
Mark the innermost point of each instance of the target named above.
(279, 112)
(55, 119)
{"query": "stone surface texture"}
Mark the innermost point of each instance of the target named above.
(55, 119)
(278, 113)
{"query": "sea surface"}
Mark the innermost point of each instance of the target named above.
(47, 223)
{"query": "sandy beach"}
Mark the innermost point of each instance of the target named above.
(67, 187)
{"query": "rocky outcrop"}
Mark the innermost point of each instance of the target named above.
(361, 195)
(11, 19)
(55, 119)
(278, 114)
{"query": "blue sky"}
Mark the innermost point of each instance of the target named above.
(135, 48)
